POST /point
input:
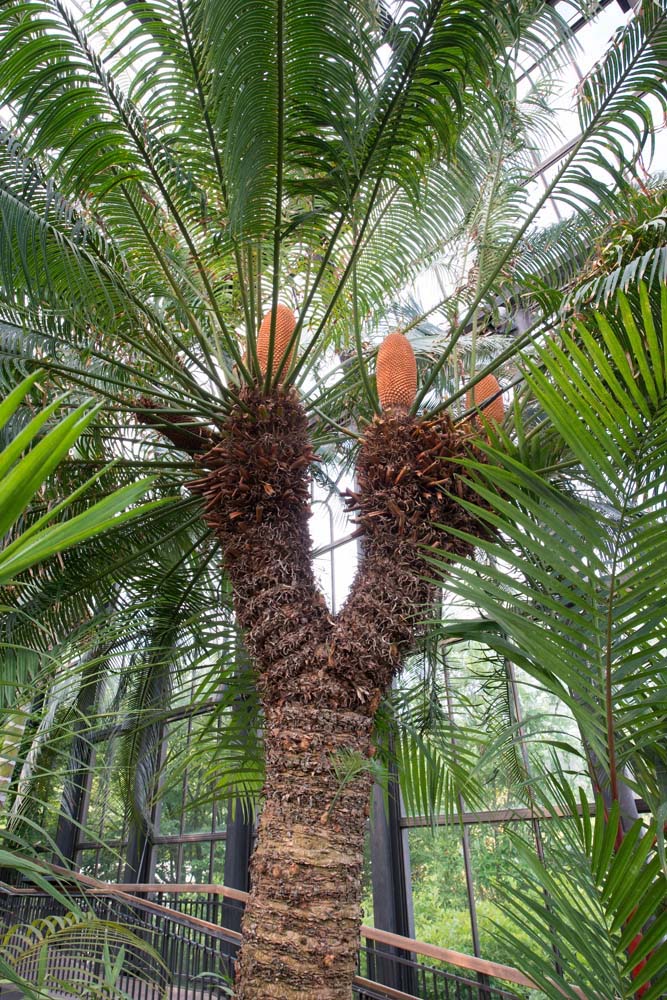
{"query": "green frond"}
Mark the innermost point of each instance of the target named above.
(615, 111)
(52, 606)
(601, 910)
(437, 757)
(576, 585)
(292, 68)
(616, 128)
(49, 253)
(38, 956)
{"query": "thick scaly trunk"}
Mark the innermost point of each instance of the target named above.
(301, 928)
(321, 678)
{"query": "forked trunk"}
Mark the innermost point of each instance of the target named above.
(301, 927)
(321, 677)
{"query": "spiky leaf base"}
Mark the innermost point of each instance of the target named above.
(257, 494)
(409, 481)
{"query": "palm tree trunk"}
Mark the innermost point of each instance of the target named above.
(321, 678)
(301, 926)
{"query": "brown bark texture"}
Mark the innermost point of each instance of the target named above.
(301, 925)
(321, 678)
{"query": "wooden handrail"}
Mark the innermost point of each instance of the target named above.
(388, 991)
(197, 923)
(127, 891)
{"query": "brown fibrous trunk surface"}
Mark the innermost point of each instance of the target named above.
(321, 677)
(301, 925)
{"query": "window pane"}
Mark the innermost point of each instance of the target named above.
(200, 785)
(218, 869)
(87, 861)
(493, 856)
(105, 817)
(439, 888)
(171, 795)
(110, 864)
(166, 864)
(196, 862)
(187, 784)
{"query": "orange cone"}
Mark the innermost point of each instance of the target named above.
(485, 389)
(396, 373)
(285, 323)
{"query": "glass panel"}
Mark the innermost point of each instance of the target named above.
(171, 779)
(550, 728)
(105, 817)
(218, 866)
(103, 863)
(45, 795)
(39, 804)
(569, 11)
(166, 863)
(493, 856)
(198, 817)
(187, 783)
(196, 862)
(439, 888)
(87, 861)
(110, 864)
(476, 681)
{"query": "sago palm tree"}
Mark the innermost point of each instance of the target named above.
(205, 206)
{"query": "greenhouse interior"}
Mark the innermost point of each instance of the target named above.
(333, 499)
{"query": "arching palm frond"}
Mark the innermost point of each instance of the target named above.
(575, 588)
(437, 756)
(602, 912)
(159, 186)
(614, 106)
(635, 251)
(21, 476)
(585, 259)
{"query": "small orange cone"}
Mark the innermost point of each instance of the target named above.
(485, 389)
(396, 373)
(285, 323)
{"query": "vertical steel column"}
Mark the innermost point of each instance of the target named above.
(140, 856)
(240, 821)
(85, 803)
(392, 883)
(156, 812)
(238, 848)
(79, 774)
